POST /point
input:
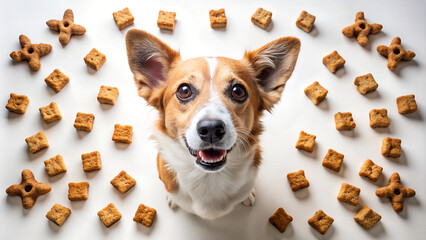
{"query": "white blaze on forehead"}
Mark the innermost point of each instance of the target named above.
(212, 61)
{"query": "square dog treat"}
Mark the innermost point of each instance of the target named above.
(109, 215)
(316, 92)
(406, 104)
(123, 182)
(58, 214)
(84, 121)
(370, 170)
(123, 18)
(297, 180)
(95, 59)
(391, 147)
(166, 20)
(333, 61)
(91, 161)
(261, 18)
(107, 95)
(145, 215)
(78, 191)
(280, 219)
(379, 118)
(320, 221)
(122, 133)
(349, 194)
(217, 18)
(55, 165)
(306, 141)
(305, 21)
(57, 80)
(344, 121)
(365, 84)
(333, 160)
(37, 142)
(17, 103)
(367, 218)
(50, 113)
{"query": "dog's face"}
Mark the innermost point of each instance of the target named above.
(210, 105)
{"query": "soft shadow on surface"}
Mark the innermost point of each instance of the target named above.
(402, 65)
(328, 235)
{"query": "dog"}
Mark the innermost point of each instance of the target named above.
(209, 117)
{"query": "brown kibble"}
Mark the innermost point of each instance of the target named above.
(55, 165)
(145, 215)
(306, 141)
(166, 20)
(349, 194)
(58, 214)
(107, 95)
(50, 113)
(109, 215)
(305, 21)
(217, 18)
(361, 29)
(391, 147)
(395, 192)
(123, 182)
(123, 18)
(370, 170)
(78, 191)
(122, 133)
(91, 161)
(84, 121)
(333, 160)
(66, 27)
(365, 84)
(333, 61)
(344, 121)
(37, 142)
(57, 80)
(31, 52)
(17, 103)
(367, 218)
(395, 53)
(297, 180)
(379, 118)
(95, 59)
(261, 18)
(321, 222)
(316, 92)
(280, 219)
(406, 104)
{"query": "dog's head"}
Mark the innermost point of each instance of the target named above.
(209, 105)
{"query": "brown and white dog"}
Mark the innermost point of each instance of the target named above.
(209, 117)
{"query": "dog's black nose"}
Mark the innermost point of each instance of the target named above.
(211, 130)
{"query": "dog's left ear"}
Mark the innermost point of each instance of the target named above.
(273, 65)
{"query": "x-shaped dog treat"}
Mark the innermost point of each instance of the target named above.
(66, 27)
(395, 192)
(361, 29)
(29, 189)
(31, 52)
(395, 53)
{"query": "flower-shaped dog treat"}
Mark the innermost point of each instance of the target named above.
(31, 52)
(395, 53)
(66, 27)
(361, 29)
(395, 192)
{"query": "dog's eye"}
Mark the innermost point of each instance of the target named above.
(184, 92)
(238, 93)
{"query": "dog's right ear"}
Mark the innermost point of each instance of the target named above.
(150, 61)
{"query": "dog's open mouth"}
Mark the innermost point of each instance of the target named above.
(210, 159)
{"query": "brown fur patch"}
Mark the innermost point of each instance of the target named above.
(166, 176)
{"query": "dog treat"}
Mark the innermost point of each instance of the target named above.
(31, 52)
(91, 161)
(29, 189)
(66, 27)
(297, 180)
(122, 133)
(379, 118)
(123, 18)
(406, 104)
(361, 29)
(305, 21)
(261, 18)
(333, 61)
(78, 191)
(320, 221)
(57, 80)
(280, 219)
(349, 194)
(55, 165)
(365, 84)
(166, 20)
(17, 103)
(107, 95)
(123, 182)
(333, 160)
(395, 192)
(367, 218)
(145, 215)
(395, 53)
(37, 142)
(58, 214)
(50, 113)
(109, 215)
(217, 18)
(344, 121)
(95, 59)
(370, 170)
(84, 121)
(316, 92)
(306, 141)
(391, 147)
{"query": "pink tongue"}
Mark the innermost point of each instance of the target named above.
(211, 155)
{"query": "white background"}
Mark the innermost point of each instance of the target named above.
(194, 37)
